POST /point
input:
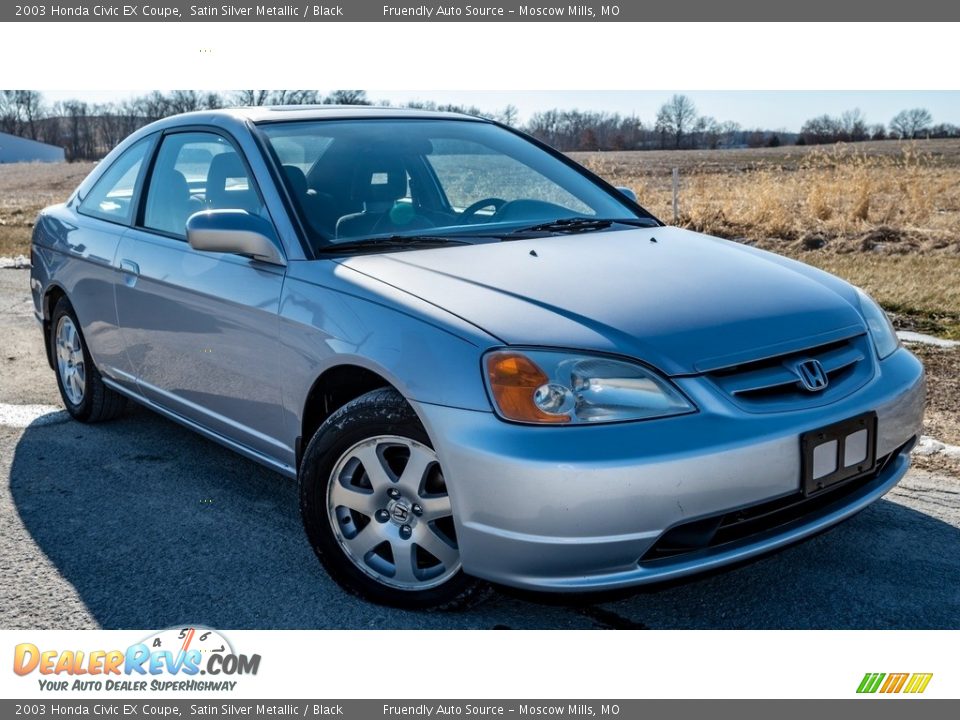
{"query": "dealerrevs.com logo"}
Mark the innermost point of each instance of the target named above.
(171, 659)
(890, 683)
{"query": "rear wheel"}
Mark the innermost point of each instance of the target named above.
(81, 387)
(375, 506)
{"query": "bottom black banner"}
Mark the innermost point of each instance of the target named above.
(874, 708)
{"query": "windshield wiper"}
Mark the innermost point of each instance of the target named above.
(393, 241)
(580, 224)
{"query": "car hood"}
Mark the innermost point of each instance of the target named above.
(678, 300)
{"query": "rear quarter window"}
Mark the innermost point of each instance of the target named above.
(112, 196)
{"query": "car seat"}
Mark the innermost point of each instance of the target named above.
(221, 196)
(378, 183)
(169, 203)
(318, 208)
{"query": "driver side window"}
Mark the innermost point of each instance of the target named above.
(197, 171)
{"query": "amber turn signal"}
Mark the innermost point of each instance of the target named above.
(514, 380)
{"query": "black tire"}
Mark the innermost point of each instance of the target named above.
(378, 412)
(98, 402)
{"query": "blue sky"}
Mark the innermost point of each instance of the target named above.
(767, 109)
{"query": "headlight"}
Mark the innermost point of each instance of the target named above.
(553, 387)
(884, 337)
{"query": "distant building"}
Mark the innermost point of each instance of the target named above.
(14, 148)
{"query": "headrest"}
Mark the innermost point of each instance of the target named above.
(379, 180)
(168, 202)
(172, 184)
(228, 166)
(298, 181)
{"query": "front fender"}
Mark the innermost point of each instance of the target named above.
(329, 320)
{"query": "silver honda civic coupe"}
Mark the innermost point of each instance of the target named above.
(479, 360)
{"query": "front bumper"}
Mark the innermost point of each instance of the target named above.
(576, 508)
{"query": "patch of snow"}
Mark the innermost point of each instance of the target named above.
(23, 416)
(15, 263)
(908, 336)
(928, 446)
(931, 446)
(951, 451)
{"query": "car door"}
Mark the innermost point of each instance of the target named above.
(89, 238)
(201, 327)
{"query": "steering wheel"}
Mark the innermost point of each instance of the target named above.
(469, 213)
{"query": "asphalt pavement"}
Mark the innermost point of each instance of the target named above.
(139, 523)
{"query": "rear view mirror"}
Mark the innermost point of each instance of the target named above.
(630, 194)
(234, 231)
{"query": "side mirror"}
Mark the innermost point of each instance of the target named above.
(630, 194)
(234, 231)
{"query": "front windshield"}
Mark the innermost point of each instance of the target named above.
(371, 178)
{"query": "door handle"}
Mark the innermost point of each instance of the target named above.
(130, 271)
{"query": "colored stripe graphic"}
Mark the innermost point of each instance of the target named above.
(918, 682)
(894, 683)
(870, 682)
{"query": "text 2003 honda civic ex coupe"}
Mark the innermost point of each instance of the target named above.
(479, 360)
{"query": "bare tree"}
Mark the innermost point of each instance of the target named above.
(295, 97)
(31, 109)
(9, 122)
(676, 117)
(182, 101)
(80, 142)
(821, 130)
(251, 98)
(259, 98)
(347, 97)
(20, 111)
(510, 115)
(944, 130)
(154, 106)
(854, 126)
(910, 124)
(707, 131)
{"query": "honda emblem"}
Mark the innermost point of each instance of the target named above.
(812, 375)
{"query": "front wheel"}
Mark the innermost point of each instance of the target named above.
(376, 509)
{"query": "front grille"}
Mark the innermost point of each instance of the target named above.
(725, 528)
(772, 384)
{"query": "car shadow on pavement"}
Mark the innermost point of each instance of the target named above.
(154, 527)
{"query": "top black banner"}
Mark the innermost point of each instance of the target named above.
(459, 11)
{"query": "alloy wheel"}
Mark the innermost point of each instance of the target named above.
(70, 362)
(390, 512)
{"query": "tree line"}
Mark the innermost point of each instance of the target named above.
(852, 126)
(87, 131)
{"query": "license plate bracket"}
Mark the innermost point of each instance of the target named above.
(839, 452)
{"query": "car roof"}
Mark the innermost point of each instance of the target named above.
(281, 113)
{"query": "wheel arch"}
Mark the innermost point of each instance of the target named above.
(335, 387)
(51, 297)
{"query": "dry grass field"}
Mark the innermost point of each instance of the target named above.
(26, 188)
(884, 215)
(887, 197)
